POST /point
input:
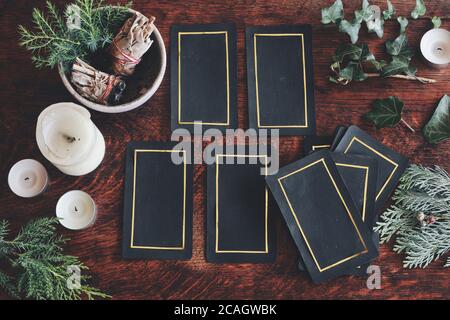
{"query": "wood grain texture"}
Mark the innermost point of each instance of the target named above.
(25, 92)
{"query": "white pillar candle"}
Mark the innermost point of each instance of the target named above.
(435, 47)
(27, 178)
(76, 209)
(69, 139)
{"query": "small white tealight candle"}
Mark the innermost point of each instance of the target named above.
(28, 178)
(435, 47)
(76, 209)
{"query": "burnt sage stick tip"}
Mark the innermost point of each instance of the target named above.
(131, 43)
(95, 85)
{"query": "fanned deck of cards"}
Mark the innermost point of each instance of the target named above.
(363, 172)
(321, 216)
(391, 165)
(239, 227)
(203, 76)
(157, 221)
(280, 79)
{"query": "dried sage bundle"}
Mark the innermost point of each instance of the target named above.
(131, 43)
(96, 85)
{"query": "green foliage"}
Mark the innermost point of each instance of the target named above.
(376, 26)
(348, 62)
(41, 268)
(386, 112)
(419, 9)
(401, 55)
(403, 22)
(52, 41)
(334, 13)
(438, 128)
(419, 217)
(390, 12)
(350, 28)
(346, 67)
(352, 52)
(398, 65)
(436, 21)
(367, 14)
(398, 46)
(353, 71)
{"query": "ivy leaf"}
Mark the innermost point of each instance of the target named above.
(403, 22)
(378, 64)
(390, 12)
(353, 71)
(365, 53)
(411, 71)
(334, 13)
(366, 13)
(419, 9)
(352, 29)
(438, 128)
(353, 52)
(398, 65)
(436, 22)
(376, 26)
(386, 112)
(334, 80)
(395, 47)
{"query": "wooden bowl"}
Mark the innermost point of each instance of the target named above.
(141, 86)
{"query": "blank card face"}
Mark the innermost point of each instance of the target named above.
(280, 80)
(158, 203)
(203, 76)
(239, 225)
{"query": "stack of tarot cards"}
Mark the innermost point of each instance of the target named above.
(331, 198)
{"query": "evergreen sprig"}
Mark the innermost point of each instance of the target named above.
(36, 254)
(419, 217)
(53, 41)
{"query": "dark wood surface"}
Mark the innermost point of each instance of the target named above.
(25, 92)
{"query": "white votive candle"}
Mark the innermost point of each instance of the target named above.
(27, 178)
(76, 210)
(435, 47)
(68, 138)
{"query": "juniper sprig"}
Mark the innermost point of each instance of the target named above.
(41, 268)
(419, 217)
(53, 40)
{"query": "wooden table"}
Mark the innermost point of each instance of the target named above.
(25, 92)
